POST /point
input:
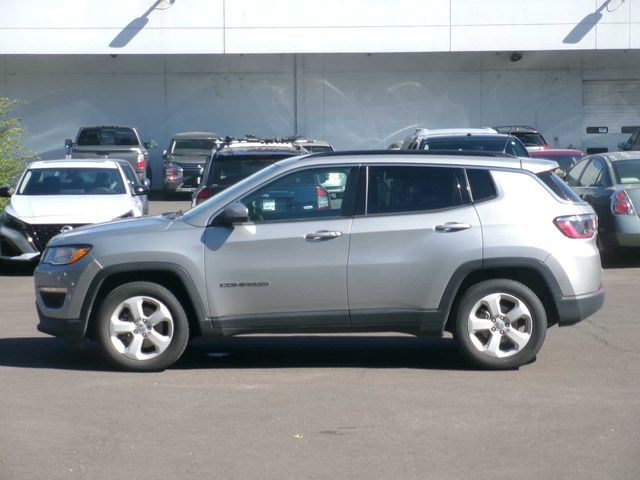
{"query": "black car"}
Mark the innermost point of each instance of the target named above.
(531, 138)
(489, 142)
(236, 159)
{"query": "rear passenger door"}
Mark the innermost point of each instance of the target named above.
(417, 229)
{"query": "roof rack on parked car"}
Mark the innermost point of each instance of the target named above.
(250, 138)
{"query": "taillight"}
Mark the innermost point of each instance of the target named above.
(578, 226)
(203, 195)
(140, 162)
(621, 203)
(173, 171)
(323, 198)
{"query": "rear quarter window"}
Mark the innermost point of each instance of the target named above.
(557, 186)
(482, 186)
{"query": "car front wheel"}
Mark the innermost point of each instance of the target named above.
(500, 324)
(142, 327)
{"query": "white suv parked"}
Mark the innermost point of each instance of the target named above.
(56, 196)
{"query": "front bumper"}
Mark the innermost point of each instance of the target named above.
(572, 310)
(60, 296)
(60, 327)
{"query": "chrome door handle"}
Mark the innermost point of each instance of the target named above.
(322, 235)
(452, 227)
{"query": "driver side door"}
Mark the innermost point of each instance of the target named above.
(286, 266)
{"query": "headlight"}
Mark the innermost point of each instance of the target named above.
(65, 255)
(13, 222)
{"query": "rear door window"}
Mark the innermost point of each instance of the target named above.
(594, 175)
(573, 176)
(400, 189)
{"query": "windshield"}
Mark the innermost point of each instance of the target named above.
(232, 169)
(191, 146)
(107, 136)
(530, 139)
(464, 143)
(627, 171)
(71, 181)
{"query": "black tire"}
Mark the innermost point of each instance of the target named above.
(174, 331)
(476, 345)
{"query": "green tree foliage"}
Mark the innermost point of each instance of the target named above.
(13, 155)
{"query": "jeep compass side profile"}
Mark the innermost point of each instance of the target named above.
(494, 249)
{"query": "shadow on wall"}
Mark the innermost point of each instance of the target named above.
(587, 23)
(136, 25)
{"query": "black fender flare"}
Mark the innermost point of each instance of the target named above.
(142, 267)
(452, 289)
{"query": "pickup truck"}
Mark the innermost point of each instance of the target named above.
(117, 142)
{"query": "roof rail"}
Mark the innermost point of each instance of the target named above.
(451, 153)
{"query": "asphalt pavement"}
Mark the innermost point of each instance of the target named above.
(326, 406)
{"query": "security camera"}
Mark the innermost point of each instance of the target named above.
(515, 56)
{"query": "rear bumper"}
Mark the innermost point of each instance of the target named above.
(572, 310)
(626, 239)
(177, 186)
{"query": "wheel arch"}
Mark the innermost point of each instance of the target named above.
(171, 276)
(532, 273)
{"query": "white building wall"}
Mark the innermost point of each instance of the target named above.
(352, 100)
(294, 26)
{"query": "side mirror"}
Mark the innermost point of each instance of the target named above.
(165, 154)
(152, 143)
(141, 189)
(6, 192)
(68, 143)
(622, 145)
(232, 213)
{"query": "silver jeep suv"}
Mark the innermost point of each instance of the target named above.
(492, 249)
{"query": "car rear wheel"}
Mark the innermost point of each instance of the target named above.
(500, 324)
(142, 327)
